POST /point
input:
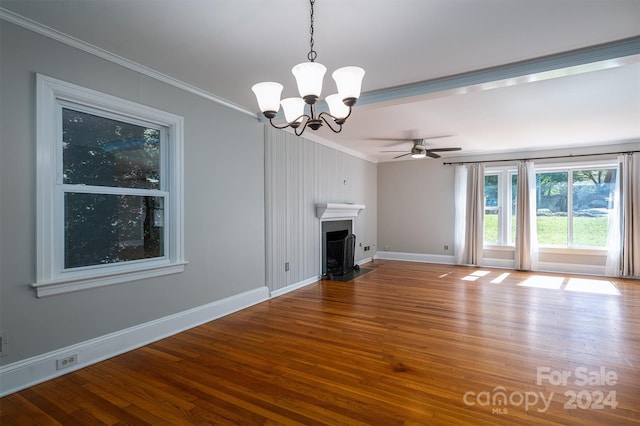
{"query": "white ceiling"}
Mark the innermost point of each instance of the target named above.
(223, 47)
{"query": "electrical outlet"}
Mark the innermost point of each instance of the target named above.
(446, 247)
(286, 266)
(67, 361)
(4, 342)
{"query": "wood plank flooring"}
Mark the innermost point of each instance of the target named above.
(408, 343)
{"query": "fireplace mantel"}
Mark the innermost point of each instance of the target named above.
(338, 210)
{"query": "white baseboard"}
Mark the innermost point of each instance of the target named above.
(415, 257)
(567, 268)
(365, 260)
(28, 372)
(308, 281)
(295, 286)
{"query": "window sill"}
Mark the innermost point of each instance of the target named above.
(68, 285)
(571, 250)
(499, 248)
(554, 250)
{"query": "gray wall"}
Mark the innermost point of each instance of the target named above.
(299, 174)
(415, 207)
(224, 202)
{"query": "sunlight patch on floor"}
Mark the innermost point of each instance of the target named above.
(475, 275)
(500, 278)
(551, 282)
(543, 281)
(592, 286)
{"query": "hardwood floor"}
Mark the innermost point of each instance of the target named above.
(408, 343)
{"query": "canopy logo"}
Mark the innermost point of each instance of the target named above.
(499, 399)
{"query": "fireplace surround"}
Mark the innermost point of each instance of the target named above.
(338, 240)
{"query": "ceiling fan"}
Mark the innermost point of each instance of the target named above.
(419, 149)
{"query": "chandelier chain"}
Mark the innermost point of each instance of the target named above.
(312, 55)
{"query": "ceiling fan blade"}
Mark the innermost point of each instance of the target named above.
(409, 139)
(395, 151)
(408, 153)
(436, 137)
(391, 139)
(444, 149)
(432, 154)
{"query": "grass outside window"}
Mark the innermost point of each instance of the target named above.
(552, 230)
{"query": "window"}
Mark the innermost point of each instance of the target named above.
(500, 192)
(573, 205)
(109, 189)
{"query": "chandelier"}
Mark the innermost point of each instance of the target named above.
(309, 76)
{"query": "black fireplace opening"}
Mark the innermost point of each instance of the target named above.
(338, 248)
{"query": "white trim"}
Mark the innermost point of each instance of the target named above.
(51, 278)
(28, 372)
(571, 268)
(39, 28)
(491, 262)
(573, 251)
(338, 211)
(67, 285)
(365, 260)
(313, 137)
(295, 286)
(309, 281)
(415, 257)
(567, 268)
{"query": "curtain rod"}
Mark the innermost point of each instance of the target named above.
(536, 158)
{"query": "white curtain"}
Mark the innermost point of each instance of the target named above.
(460, 194)
(630, 205)
(526, 255)
(614, 248)
(470, 252)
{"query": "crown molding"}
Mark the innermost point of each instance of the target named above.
(61, 37)
(319, 140)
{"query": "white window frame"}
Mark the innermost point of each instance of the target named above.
(51, 277)
(570, 168)
(504, 210)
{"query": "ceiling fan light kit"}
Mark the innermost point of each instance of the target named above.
(309, 77)
(418, 151)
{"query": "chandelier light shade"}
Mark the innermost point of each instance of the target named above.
(268, 95)
(337, 108)
(293, 109)
(348, 80)
(309, 77)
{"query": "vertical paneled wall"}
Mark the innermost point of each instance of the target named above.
(300, 173)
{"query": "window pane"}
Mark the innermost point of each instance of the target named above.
(551, 216)
(104, 152)
(592, 196)
(102, 228)
(491, 222)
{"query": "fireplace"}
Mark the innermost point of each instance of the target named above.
(338, 241)
(338, 247)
